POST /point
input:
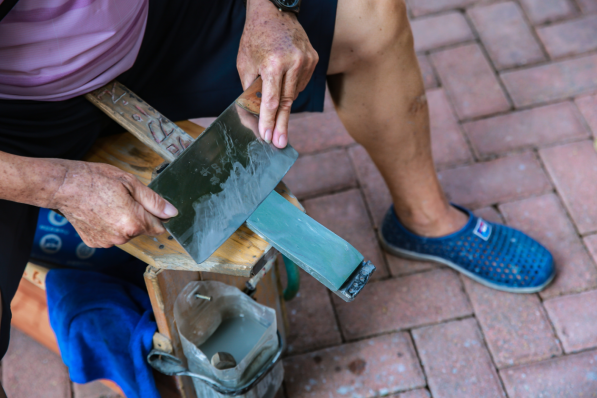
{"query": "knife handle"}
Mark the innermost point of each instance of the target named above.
(250, 100)
(141, 119)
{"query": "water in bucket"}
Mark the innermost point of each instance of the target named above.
(231, 323)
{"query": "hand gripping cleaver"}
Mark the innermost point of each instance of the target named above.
(225, 178)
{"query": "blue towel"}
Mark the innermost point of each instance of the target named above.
(104, 328)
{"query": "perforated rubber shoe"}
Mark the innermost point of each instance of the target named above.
(491, 254)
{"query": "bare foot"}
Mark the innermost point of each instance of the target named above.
(448, 222)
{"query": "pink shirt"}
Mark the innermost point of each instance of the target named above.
(53, 50)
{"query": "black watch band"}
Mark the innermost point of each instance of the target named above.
(288, 5)
(285, 5)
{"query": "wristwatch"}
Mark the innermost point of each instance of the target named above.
(288, 5)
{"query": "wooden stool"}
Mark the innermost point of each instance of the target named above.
(169, 268)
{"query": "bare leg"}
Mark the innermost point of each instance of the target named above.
(378, 91)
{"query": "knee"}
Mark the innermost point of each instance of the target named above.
(393, 32)
(369, 31)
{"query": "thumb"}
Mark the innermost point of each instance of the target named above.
(152, 202)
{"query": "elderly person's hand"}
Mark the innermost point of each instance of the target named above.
(275, 46)
(106, 205)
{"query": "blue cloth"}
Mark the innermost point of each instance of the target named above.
(104, 328)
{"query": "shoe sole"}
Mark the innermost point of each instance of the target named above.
(417, 256)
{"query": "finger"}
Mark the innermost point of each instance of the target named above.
(153, 225)
(272, 82)
(307, 73)
(280, 138)
(150, 201)
(138, 222)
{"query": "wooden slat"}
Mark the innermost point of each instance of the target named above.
(36, 274)
(30, 314)
(140, 119)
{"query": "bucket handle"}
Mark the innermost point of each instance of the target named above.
(170, 365)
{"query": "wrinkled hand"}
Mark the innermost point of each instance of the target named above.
(275, 46)
(108, 206)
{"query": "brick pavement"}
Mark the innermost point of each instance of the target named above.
(512, 91)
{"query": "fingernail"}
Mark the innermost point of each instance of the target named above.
(268, 136)
(282, 141)
(170, 210)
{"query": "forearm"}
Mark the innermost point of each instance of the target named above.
(30, 180)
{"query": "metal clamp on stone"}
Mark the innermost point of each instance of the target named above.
(226, 178)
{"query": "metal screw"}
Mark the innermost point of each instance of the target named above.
(200, 296)
(162, 246)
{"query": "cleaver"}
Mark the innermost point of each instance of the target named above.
(225, 178)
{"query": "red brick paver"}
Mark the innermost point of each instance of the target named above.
(591, 243)
(405, 302)
(374, 188)
(320, 173)
(552, 82)
(571, 37)
(317, 132)
(544, 219)
(447, 141)
(440, 31)
(456, 361)
(541, 11)
(31, 370)
(573, 168)
(515, 325)
(573, 376)
(469, 81)
(506, 35)
(420, 393)
(422, 7)
(429, 78)
(526, 129)
(369, 368)
(587, 5)
(311, 318)
(499, 180)
(346, 215)
(402, 266)
(489, 214)
(575, 320)
(588, 107)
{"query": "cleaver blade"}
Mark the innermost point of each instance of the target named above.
(220, 179)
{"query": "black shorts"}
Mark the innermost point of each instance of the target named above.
(186, 68)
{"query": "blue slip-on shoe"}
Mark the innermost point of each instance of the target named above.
(491, 254)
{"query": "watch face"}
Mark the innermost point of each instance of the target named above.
(289, 3)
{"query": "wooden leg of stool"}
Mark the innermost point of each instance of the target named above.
(163, 288)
